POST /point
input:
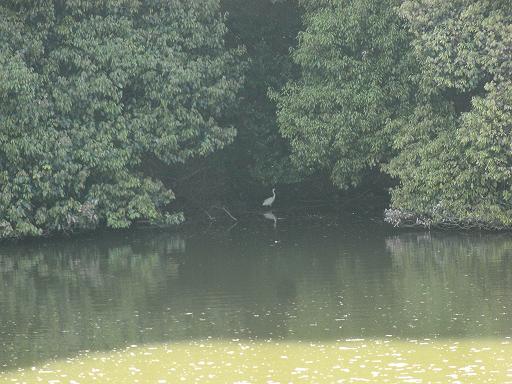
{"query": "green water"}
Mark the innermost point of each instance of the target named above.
(305, 288)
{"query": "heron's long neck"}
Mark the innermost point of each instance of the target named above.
(274, 192)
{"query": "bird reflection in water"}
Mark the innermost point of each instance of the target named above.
(271, 216)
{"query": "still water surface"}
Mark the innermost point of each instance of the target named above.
(309, 300)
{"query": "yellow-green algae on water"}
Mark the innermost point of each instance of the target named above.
(350, 361)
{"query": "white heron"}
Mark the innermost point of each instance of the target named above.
(270, 200)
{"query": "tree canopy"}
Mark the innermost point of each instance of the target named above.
(420, 90)
(355, 79)
(454, 150)
(90, 92)
(104, 102)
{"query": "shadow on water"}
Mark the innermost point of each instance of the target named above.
(307, 278)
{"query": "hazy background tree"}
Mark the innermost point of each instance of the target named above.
(268, 29)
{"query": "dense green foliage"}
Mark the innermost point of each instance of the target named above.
(91, 93)
(455, 158)
(419, 89)
(106, 105)
(355, 68)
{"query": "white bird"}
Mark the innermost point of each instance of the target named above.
(269, 201)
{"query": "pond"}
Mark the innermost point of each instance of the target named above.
(295, 299)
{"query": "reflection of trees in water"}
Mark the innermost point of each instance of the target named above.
(444, 248)
(74, 295)
(63, 296)
(66, 296)
(461, 282)
(486, 258)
